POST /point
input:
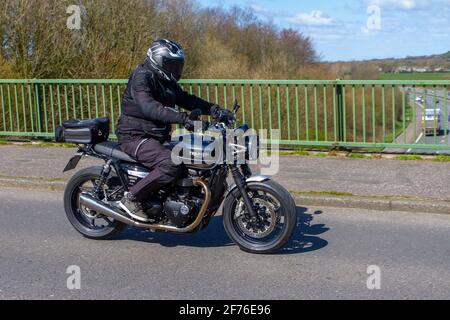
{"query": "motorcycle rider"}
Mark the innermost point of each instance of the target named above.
(147, 115)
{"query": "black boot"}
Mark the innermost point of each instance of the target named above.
(132, 207)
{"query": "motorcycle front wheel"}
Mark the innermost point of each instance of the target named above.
(274, 224)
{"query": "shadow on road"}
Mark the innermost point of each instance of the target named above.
(305, 238)
(213, 236)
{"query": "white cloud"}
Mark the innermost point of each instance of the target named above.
(259, 8)
(400, 4)
(314, 18)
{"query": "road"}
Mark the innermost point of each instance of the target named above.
(328, 258)
(440, 138)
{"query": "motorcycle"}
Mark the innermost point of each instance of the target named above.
(259, 215)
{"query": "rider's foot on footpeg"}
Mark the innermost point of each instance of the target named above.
(132, 207)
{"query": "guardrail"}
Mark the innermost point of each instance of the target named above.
(340, 113)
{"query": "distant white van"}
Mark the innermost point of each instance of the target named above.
(433, 121)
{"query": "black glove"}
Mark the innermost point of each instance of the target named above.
(221, 114)
(189, 123)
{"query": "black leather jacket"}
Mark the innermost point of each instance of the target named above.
(148, 107)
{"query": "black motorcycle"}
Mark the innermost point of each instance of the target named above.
(259, 215)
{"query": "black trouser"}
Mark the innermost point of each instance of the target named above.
(154, 155)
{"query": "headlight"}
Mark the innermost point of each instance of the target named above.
(252, 147)
(251, 139)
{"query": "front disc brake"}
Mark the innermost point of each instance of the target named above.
(266, 220)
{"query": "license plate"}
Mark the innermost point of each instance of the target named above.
(73, 162)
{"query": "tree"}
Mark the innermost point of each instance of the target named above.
(115, 34)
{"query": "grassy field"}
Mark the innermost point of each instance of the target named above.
(415, 76)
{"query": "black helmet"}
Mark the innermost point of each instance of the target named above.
(166, 59)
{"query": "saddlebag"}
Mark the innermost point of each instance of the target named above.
(83, 131)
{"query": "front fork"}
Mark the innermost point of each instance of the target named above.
(240, 174)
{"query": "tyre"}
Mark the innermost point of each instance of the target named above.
(274, 225)
(85, 221)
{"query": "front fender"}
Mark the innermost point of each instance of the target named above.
(257, 178)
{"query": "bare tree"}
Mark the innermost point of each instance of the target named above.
(114, 36)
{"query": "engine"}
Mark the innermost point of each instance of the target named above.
(180, 211)
(180, 207)
(183, 205)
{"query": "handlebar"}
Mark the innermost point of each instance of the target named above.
(227, 118)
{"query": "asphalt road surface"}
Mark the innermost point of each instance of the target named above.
(328, 258)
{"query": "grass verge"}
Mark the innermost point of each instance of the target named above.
(409, 158)
(358, 156)
(325, 193)
(442, 158)
(34, 178)
(368, 196)
(41, 144)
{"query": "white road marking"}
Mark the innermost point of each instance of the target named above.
(420, 105)
(421, 134)
(416, 142)
(418, 139)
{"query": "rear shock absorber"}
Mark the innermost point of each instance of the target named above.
(98, 187)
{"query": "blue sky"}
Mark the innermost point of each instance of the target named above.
(340, 28)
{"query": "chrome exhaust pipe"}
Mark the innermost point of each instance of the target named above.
(98, 206)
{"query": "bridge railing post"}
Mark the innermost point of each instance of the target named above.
(340, 112)
(39, 115)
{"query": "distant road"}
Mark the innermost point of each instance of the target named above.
(443, 138)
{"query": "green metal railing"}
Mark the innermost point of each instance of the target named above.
(352, 114)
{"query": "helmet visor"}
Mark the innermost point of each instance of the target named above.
(173, 67)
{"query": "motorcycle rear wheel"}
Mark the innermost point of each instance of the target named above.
(90, 224)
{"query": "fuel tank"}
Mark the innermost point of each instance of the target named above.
(197, 150)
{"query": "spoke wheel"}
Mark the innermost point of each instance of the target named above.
(273, 225)
(86, 216)
(264, 224)
(89, 223)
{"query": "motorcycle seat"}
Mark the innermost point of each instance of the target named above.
(112, 150)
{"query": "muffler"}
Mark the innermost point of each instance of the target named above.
(98, 206)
